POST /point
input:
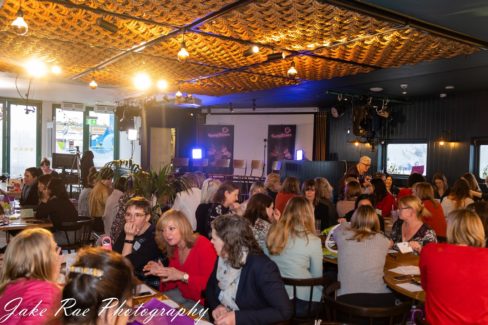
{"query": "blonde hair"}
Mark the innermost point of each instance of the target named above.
(425, 191)
(209, 188)
(29, 255)
(352, 190)
(272, 182)
(364, 223)
(182, 224)
(416, 204)
(297, 220)
(464, 227)
(324, 189)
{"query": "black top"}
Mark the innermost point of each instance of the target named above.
(271, 194)
(321, 213)
(205, 214)
(58, 211)
(29, 195)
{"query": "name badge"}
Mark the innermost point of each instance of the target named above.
(136, 246)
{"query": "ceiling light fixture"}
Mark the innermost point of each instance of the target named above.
(19, 25)
(56, 69)
(179, 93)
(292, 72)
(449, 87)
(108, 26)
(376, 89)
(252, 50)
(36, 68)
(142, 81)
(183, 53)
(339, 108)
(93, 84)
(162, 84)
(276, 56)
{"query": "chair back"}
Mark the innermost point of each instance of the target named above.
(181, 162)
(199, 162)
(241, 165)
(222, 163)
(257, 166)
(77, 233)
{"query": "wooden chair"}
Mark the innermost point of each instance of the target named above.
(200, 164)
(239, 164)
(77, 233)
(257, 165)
(221, 169)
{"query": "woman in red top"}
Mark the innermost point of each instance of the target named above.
(454, 275)
(291, 188)
(191, 259)
(385, 201)
(436, 220)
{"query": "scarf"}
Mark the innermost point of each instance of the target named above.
(228, 279)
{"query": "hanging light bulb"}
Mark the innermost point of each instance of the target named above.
(183, 53)
(56, 69)
(179, 93)
(142, 81)
(162, 84)
(19, 25)
(93, 84)
(292, 72)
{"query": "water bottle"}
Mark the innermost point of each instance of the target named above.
(415, 312)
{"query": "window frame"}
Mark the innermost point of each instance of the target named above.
(477, 143)
(384, 155)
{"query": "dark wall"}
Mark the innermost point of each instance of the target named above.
(465, 116)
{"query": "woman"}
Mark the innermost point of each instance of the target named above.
(31, 267)
(362, 253)
(474, 187)
(297, 251)
(322, 216)
(209, 188)
(437, 221)
(412, 179)
(225, 201)
(46, 167)
(83, 205)
(454, 275)
(98, 197)
(56, 206)
(100, 282)
(410, 227)
(86, 163)
(458, 198)
(384, 200)
(481, 209)
(256, 187)
(29, 195)
(291, 188)
(325, 193)
(136, 242)
(245, 286)
(261, 214)
(441, 188)
(112, 204)
(352, 191)
(390, 187)
(272, 184)
(191, 260)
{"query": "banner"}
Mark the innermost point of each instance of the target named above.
(281, 143)
(217, 142)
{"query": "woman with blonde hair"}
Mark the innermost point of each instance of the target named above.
(325, 193)
(191, 259)
(457, 302)
(297, 251)
(362, 253)
(409, 227)
(437, 221)
(272, 183)
(31, 267)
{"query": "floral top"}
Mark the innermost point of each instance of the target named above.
(260, 230)
(424, 235)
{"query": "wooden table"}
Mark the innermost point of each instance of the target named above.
(21, 224)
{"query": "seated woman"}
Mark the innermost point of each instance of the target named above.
(321, 211)
(31, 267)
(325, 192)
(481, 209)
(441, 187)
(290, 188)
(83, 206)
(366, 199)
(261, 214)
(136, 242)
(297, 251)
(459, 197)
(437, 221)
(256, 187)
(191, 259)
(29, 195)
(474, 187)
(362, 253)
(385, 202)
(99, 282)
(224, 201)
(112, 204)
(410, 227)
(245, 286)
(46, 167)
(98, 197)
(390, 187)
(454, 275)
(351, 192)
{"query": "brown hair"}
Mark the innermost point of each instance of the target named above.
(425, 191)
(464, 227)
(224, 187)
(183, 225)
(291, 185)
(139, 202)
(352, 189)
(473, 183)
(364, 223)
(459, 191)
(236, 233)
(310, 184)
(272, 182)
(323, 189)
(256, 207)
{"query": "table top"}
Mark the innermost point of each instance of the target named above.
(21, 223)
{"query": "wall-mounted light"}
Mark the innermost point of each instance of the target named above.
(196, 153)
(19, 25)
(292, 71)
(132, 134)
(252, 50)
(108, 26)
(183, 53)
(299, 154)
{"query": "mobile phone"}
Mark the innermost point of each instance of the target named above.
(143, 290)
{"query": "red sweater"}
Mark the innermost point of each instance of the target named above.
(455, 280)
(386, 205)
(437, 220)
(199, 265)
(282, 199)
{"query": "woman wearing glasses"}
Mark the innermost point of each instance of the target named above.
(410, 227)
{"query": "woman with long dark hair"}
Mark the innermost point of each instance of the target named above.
(261, 213)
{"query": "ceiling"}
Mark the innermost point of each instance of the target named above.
(335, 45)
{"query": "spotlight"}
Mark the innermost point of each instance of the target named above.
(108, 26)
(19, 25)
(162, 84)
(183, 53)
(276, 56)
(142, 81)
(299, 154)
(196, 153)
(231, 107)
(36, 68)
(132, 134)
(339, 108)
(179, 93)
(56, 69)
(292, 72)
(93, 84)
(252, 50)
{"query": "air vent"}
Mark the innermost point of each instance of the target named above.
(73, 106)
(104, 108)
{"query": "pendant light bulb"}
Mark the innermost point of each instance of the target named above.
(179, 93)
(93, 84)
(19, 25)
(292, 72)
(183, 53)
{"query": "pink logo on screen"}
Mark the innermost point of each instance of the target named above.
(287, 130)
(225, 130)
(285, 134)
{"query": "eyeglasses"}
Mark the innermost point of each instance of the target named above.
(366, 164)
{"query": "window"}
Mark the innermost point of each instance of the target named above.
(402, 158)
(101, 139)
(483, 161)
(23, 138)
(69, 131)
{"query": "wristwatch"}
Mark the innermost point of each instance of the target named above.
(185, 277)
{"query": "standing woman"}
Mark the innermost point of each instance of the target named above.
(410, 227)
(85, 164)
(272, 184)
(321, 211)
(209, 188)
(474, 187)
(191, 260)
(441, 188)
(297, 251)
(98, 197)
(437, 221)
(459, 197)
(454, 275)
(245, 286)
(291, 188)
(261, 214)
(31, 267)
(29, 195)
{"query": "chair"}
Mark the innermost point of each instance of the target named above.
(180, 165)
(239, 164)
(77, 233)
(257, 165)
(199, 164)
(221, 168)
(310, 283)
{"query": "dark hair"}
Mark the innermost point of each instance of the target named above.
(34, 171)
(481, 208)
(310, 184)
(256, 207)
(370, 197)
(291, 185)
(352, 189)
(89, 291)
(236, 233)
(219, 196)
(442, 177)
(473, 183)
(139, 202)
(57, 188)
(45, 162)
(45, 179)
(87, 156)
(121, 184)
(415, 178)
(105, 173)
(460, 190)
(380, 191)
